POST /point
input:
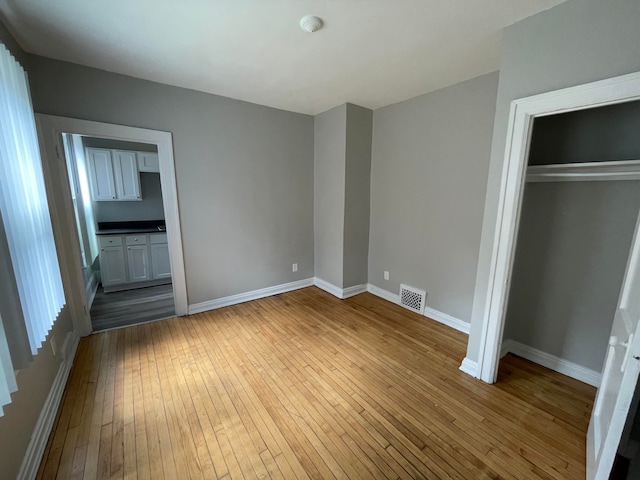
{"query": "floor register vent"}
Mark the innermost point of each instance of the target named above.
(412, 298)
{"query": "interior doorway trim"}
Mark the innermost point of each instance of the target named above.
(523, 111)
(51, 129)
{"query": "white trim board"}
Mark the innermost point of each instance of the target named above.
(557, 364)
(429, 312)
(42, 430)
(469, 367)
(248, 296)
(447, 319)
(92, 289)
(502, 236)
(341, 293)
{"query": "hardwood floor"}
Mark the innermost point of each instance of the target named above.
(129, 307)
(303, 385)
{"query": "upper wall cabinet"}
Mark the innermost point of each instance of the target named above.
(100, 164)
(127, 176)
(114, 175)
(148, 162)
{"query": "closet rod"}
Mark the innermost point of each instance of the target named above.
(585, 172)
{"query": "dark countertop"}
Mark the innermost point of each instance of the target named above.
(124, 228)
(125, 231)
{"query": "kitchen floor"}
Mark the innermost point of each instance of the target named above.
(130, 307)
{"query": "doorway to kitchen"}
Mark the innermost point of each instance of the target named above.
(117, 198)
(117, 225)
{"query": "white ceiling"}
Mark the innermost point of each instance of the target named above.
(370, 52)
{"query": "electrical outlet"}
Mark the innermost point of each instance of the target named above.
(386, 275)
(54, 348)
(294, 267)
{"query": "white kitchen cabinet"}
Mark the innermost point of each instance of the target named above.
(114, 175)
(100, 163)
(160, 264)
(148, 162)
(138, 258)
(112, 266)
(112, 263)
(131, 261)
(125, 167)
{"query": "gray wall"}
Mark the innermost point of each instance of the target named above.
(34, 381)
(594, 135)
(342, 159)
(570, 260)
(11, 313)
(576, 42)
(330, 133)
(244, 172)
(357, 195)
(8, 41)
(149, 208)
(429, 165)
(34, 384)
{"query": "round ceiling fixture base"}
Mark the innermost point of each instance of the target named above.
(311, 23)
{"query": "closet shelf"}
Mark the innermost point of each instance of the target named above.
(580, 172)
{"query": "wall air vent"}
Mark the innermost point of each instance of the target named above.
(413, 298)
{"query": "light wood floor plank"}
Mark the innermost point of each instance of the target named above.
(331, 420)
(151, 417)
(161, 405)
(303, 385)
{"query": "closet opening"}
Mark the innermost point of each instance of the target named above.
(621, 369)
(580, 209)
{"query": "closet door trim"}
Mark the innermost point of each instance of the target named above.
(502, 217)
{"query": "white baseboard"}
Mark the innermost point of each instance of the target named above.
(248, 296)
(355, 290)
(327, 287)
(469, 367)
(382, 293)
(429, 312)
(337, 291)
(91, 290)
(557, 364)
(42, 430)
(447, 319)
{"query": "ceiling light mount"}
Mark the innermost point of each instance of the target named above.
(311, 23)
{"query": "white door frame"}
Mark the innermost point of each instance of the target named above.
(522, 113)
(51, 129)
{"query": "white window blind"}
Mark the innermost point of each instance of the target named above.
(24, 208)
(7, 377)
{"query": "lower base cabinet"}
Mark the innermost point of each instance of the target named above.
(128, 260)
(112, 265)
(138, 259)
(160, 264)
